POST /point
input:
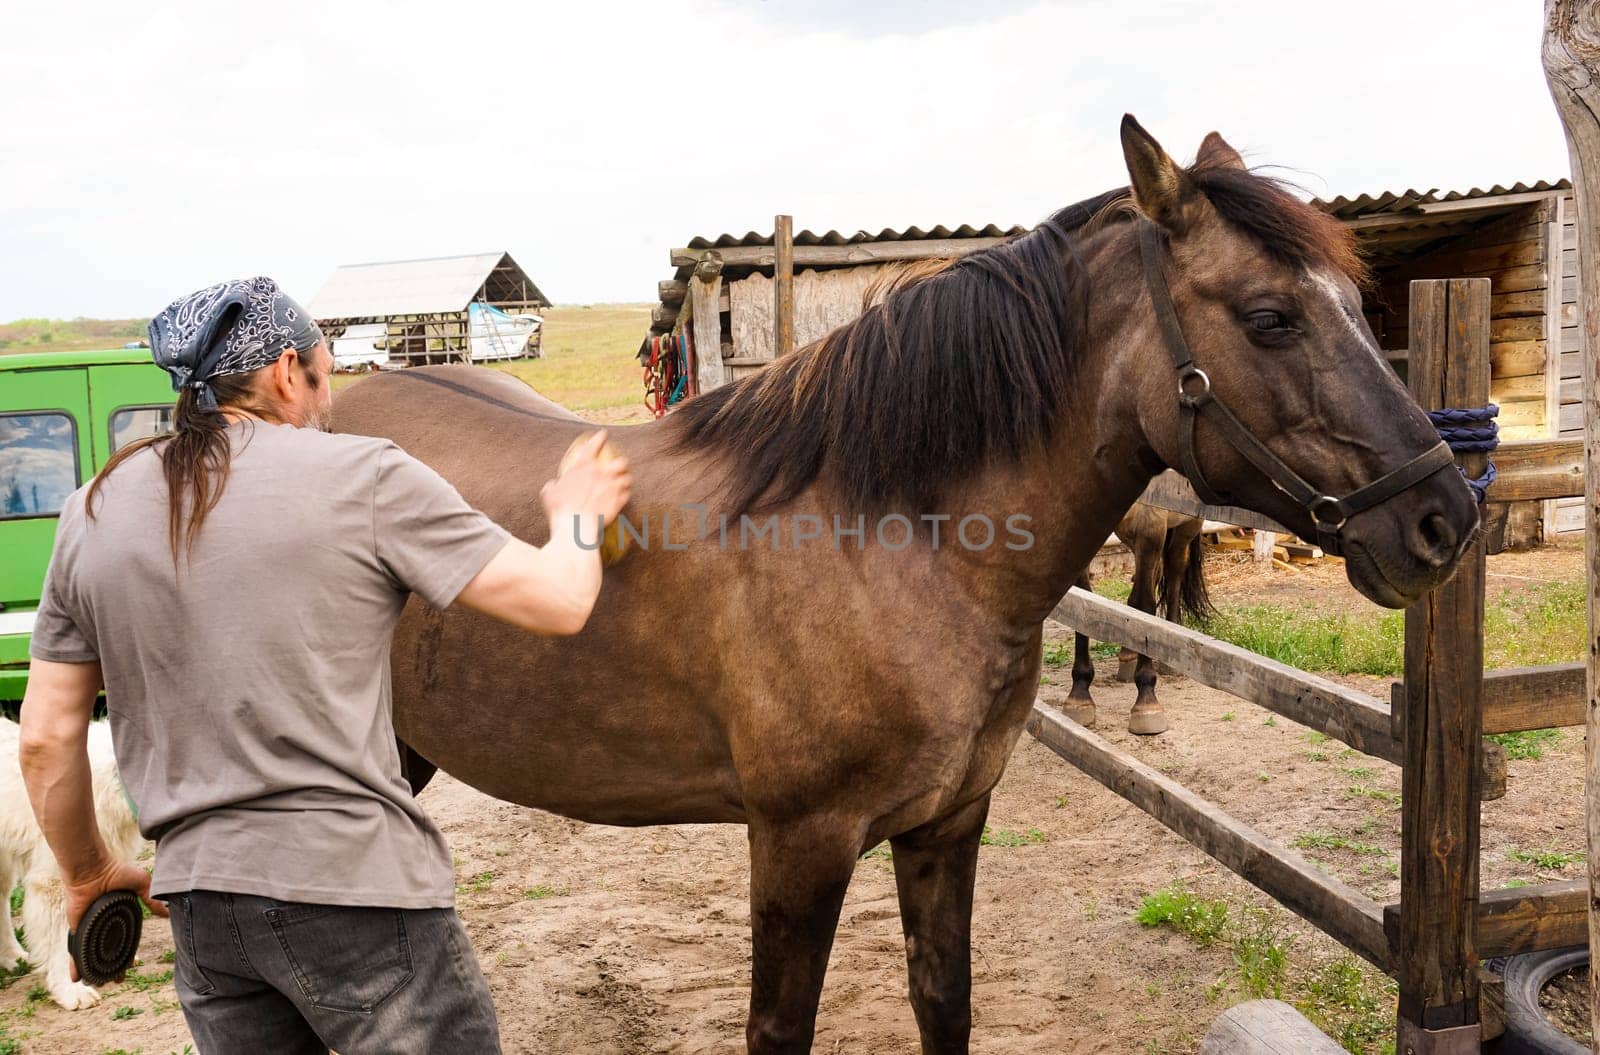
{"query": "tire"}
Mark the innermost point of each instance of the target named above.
(1528, 1031)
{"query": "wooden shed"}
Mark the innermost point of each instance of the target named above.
(1522, 238)
(436, 310)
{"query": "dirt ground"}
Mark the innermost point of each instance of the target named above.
(628, 941)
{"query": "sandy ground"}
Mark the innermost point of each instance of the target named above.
(622, 941)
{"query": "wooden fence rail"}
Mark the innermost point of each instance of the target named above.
(1347, 715)
(1344, 913)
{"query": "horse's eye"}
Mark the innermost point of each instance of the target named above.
(1266, 321)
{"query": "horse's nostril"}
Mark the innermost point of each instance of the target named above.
(1438, 539)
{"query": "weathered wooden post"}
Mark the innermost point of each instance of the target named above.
(782, 286)
(705, 320)
(1438, 960)
(1571, 54)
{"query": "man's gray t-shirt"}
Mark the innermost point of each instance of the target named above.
(248, 687)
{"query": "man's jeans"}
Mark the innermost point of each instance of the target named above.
(259, 975)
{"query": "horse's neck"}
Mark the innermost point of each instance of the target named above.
(1075, 490)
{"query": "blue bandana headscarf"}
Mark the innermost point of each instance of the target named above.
(230, 328)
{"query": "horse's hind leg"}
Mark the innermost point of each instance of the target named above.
(799, 870)
(934, 868)
(1080, 705)
(1146, 570)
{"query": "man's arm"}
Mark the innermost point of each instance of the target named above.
(54, 753)
(551, 589)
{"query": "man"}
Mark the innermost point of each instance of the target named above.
(233, 587)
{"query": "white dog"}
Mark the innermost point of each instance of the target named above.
(25, 857)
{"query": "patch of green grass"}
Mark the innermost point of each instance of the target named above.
(1548, 860)
(1271, 722)
(1311, 736)
(1331, 841)
(125, 1012)
(1187, 913)
(1312, 641)
(168, 957)
(1227, 716)
(141, 981)
(1525, 627)
(1261, 956)
(1351, 1003)
(1362, 791)
(881, 852)
(1006, 837)
(1512, 884)
(478, 884)
(1529, 744)
(38, 993)
(542, 891)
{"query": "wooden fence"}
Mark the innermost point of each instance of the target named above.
(1432, 726)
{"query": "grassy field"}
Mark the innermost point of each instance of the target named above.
(69, 335)
(588, 363)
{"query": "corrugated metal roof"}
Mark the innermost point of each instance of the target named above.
(408, 287)
(888, 234)
(1404, 201)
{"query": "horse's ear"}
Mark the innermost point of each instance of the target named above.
(1160, 187)
(1216, 153)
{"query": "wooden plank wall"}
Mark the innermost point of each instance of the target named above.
(823, 301)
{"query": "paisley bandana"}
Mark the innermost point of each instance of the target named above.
(230, 328)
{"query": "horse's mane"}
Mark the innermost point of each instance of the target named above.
(958, 364)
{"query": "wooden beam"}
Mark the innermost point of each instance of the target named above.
(705, 289)
(1171, 491)
(1345, 714)
(1537, 469)
(782, 286)
(1516, 699)
(1521, 698)
(671, 291)
(1533, 918)
(1552, 239)
(1344, 913)
(839, 255)
(1437, 208)
(1439, 816)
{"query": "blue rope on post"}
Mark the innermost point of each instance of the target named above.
(1470, 430)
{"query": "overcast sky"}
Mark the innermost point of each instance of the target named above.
(149, 149)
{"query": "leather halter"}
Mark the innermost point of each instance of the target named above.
(1196, 399)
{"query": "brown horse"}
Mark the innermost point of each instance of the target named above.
(1169, 566)
(829, 693)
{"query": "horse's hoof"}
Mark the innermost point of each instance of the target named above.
(1147, 721)
(1126, 667)
(1080, 711)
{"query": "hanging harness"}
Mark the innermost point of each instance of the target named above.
(667, 372)
(1196, 399)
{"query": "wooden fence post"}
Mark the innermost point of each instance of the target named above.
(1438, 961)
(782, 286)
(1571, 53)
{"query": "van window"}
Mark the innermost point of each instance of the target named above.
(38, 463)
(135, 423)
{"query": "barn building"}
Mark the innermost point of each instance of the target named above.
(435, 310)
(1523, 238)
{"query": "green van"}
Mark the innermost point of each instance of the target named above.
(62, 415)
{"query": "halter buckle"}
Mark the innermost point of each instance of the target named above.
(1326, 502)
(1197, 396)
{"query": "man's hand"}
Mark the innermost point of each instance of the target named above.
(594, 482)
(116, 875)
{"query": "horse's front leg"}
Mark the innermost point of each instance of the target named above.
(799, 870)
(935, 867)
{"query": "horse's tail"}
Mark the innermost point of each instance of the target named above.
(1193, 598)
